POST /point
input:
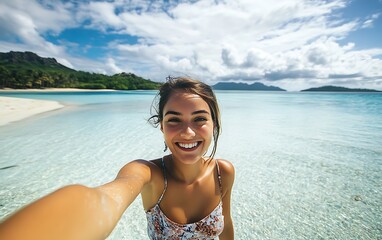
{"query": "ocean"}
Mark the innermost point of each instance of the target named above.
(308, 165)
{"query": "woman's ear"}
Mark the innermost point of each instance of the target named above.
(161, 127)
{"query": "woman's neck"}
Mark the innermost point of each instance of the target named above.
(185, 173)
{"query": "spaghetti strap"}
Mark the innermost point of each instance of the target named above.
(159, 226)
(219, 178)
(165, 182)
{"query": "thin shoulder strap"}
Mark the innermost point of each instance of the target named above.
(219, 178)
(165, 182)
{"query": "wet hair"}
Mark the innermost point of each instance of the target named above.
(192, 86)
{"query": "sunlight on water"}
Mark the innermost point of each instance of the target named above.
(308, 165)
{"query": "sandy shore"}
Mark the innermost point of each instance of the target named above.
(55, 90)
(15, 109)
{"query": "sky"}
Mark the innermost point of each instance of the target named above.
(292, 44)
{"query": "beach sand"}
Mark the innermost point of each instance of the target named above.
(56, 90)
(16, 109)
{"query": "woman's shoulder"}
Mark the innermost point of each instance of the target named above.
(141, 166)
(227, 171)
(226, 167)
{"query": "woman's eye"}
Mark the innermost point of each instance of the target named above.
(173, 120)
(200, 119)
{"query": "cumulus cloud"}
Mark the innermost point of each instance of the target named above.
(101, 15)
(110, 63)
(300, 42)
(26, 23)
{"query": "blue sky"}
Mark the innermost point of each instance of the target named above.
(293, 44)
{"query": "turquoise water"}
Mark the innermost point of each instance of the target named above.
(308, 165)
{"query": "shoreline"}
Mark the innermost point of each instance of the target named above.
(56, 90)
(15, 109)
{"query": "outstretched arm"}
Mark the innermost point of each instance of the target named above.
(78, 212)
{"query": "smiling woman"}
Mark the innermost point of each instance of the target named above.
(186, 195)
(194, 92)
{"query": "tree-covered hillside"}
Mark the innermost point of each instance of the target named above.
(256, 86)
(338, 89)
(28, 70)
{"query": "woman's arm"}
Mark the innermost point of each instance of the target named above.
(228, 177)
(78, 212)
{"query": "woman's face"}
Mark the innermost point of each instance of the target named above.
(187, 126)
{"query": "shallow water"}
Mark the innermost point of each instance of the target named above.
(308, 165)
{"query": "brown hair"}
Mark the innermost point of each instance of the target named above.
(188, 85)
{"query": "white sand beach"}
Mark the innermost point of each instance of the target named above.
(15, 109)
(55, 90)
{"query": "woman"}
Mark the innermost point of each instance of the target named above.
(186, 195)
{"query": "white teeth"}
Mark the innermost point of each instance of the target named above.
(188, 145)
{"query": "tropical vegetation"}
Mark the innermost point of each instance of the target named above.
(22, 70)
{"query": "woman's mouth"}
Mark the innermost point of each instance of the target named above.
(188, 146)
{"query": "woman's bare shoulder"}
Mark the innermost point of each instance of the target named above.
(227, 171)
(140, 166)
(226, 167)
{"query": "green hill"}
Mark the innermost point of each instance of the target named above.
(28, 70)
(337, 89)
(256, 86)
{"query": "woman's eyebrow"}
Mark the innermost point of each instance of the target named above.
(200, 111)
(173, 113)
(194, 113)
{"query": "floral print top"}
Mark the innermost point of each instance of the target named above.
(159, 226)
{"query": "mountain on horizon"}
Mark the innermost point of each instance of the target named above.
(256, 86)
(331, 88)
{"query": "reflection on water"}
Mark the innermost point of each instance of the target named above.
(308, 165)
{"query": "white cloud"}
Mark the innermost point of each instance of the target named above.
(273, 41)
(52, 16)
(26, 23)
(102, 15)
(112, 66)
(183, 64)
(231, 34)
(368, 23)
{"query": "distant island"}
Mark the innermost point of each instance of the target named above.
(338, 89)
(243, 86)
(23, 70)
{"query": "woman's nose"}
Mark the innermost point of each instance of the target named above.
(187, 133)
